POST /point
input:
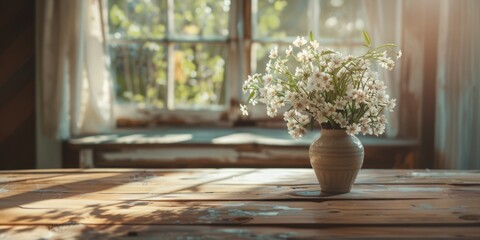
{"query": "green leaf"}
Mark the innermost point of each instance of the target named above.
(311, 36)
(367, 38)
(327, 52)
(250, 97)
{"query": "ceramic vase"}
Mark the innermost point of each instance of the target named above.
(336, 157)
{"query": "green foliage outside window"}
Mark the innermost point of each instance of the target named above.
(143, 38)
(139, 39)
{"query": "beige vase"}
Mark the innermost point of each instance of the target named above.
(336, 158)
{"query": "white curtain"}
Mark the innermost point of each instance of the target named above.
(384, 24)
(458, 86)
(76, 92)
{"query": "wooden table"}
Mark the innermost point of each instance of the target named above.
(236, 204)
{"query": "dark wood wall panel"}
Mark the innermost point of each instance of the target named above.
(17, 84)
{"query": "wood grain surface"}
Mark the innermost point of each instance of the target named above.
(236, 204)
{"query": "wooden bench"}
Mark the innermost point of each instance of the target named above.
(221, 147)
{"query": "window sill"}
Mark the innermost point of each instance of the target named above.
(220, 147)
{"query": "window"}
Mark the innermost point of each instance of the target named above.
(173, 58)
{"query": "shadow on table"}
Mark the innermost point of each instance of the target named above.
(28, 209)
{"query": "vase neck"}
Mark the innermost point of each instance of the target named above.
(333, 132)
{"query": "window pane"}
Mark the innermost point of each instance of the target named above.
(139, 71)
(281, 18)
(201, 17)
(342, 19)
(130, 19)
(199, 75)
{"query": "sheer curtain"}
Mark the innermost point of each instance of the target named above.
(76, 92)
(384, 24)
(457, 132)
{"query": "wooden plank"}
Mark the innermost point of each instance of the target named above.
(179, 192)
(205, 156)
(254, 203)
(326, 213)
(79, 231)
(242, 176)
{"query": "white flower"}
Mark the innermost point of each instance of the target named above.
(311, 84)
(365, 121)
(323, 63)
(343, 123)
(325, 77)
(314, 44)
(380, 85)
(382, 97)
(378, 129)
(299, 105)
(299, 41)
(271, 112)
(387, 63)
(316, 73)
(353, 129)
(328, 86)
(340, 103)
(303, 119)
(301, 56)
(297, 132)
(366, 129)
(337, 61)
(290, 96)
(269, 66)
(372, 110)
(369, 85)
(364, 63)
(289, 114)
(267, 78)
(278, 67)
(329, 109)
(399, 54)
(298, 72)
(289, 50)
(320, 117)
(382, 119)
(391, 104)
(273, 53)
(360, 96)
(290, 123)
(243, 109)
(304, 56)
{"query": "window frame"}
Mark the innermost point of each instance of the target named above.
(240, 58)
(135, 115)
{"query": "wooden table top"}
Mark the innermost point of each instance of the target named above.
(236, 204)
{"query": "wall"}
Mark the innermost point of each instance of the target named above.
(17, 84)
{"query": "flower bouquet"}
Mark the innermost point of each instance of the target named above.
(320, 85)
